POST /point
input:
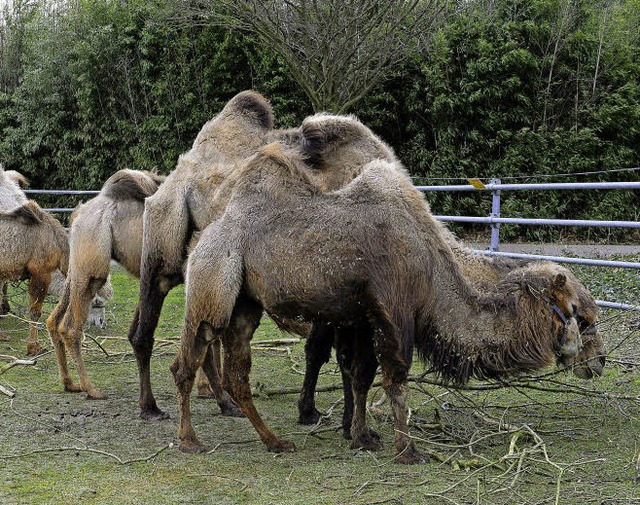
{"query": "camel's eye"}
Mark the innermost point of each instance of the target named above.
(575, 310)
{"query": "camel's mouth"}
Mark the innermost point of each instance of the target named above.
(592, 367)
(592, 358)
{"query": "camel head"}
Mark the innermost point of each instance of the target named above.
(556, 300)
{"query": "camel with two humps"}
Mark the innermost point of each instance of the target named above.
(34, 245)
(368, 258)
(178, 210)
(107, 227)
(335, 150)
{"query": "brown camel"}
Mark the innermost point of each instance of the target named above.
(107, 227)
(337, 148)
(12, 195)
(370, 257)
(182, 206)
(34, 245)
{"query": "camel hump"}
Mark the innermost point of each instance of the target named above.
(327, 135)
(250, 103)
(131, 185)
(29, 213)
(20, 180)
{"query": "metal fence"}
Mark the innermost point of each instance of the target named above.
(495, 188)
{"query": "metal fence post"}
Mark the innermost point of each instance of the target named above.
(495, 212)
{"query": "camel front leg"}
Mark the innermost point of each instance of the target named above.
(145, 321)
(394, 382)
(237, 341)
(358, 365)
(4, 306)
(38, 286)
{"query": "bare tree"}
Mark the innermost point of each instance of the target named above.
(337, 50)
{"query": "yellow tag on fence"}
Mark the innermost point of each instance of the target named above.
(476, 183)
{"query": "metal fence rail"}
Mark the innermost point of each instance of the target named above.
(495, 187)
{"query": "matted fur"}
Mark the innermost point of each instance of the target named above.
(337, 148)
(11, 196)
(182, 206)
(107, 227)
(34, 245)
(370, 256)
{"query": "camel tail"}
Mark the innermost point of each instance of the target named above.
(29, 213)
(127, 185)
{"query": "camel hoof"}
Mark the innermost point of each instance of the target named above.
(282, 446)
(72, 388)
(229, 409)
(191, 447)
(153, 415)
(368, 441)
(412, 457)
(3, 338)
(96, 395)
(309, 417)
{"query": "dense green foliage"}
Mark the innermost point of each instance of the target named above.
(508, 88)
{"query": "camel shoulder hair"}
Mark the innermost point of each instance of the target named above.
(30, 213)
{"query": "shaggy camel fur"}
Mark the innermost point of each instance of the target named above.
(371, 257)
(337, 148)
(183, 206)
(11, 196)
(107, 227)
(34, 245)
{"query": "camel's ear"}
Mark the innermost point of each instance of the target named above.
(559, 281)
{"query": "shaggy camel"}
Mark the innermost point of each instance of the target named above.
(183, 206)
(370, 257)
(107, 227)
(337, 148)
(12, 195)
(34, 245)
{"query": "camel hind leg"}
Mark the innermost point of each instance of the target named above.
(237, 342)
(210, 369)
(65, 326)
(53, 322)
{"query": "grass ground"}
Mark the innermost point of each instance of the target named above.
(548, 439)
